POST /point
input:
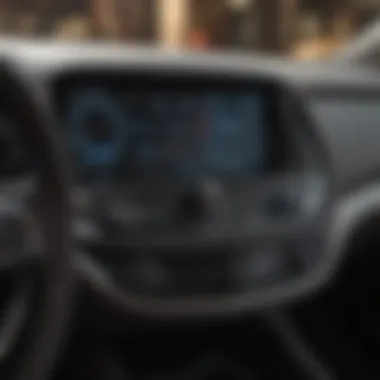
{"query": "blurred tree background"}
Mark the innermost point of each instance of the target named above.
(302, 28)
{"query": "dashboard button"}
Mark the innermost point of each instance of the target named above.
(263, 266)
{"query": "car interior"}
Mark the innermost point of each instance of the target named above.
(143, 237)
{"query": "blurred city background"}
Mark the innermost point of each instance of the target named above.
(304, 29)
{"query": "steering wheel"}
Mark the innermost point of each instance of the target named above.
(34, 354)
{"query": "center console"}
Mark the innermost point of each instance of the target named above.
(193, 191)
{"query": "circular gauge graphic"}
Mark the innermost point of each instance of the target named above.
(97, 128)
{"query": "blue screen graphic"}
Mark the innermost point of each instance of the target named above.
(90, 112)
(157, 134)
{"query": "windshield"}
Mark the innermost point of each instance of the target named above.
(304, 29)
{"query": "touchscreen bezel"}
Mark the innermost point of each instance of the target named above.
(275, 134)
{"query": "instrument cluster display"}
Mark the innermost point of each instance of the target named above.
(161, 133)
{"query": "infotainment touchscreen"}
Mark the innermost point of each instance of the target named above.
(169, 132)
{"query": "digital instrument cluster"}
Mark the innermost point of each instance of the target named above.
(167, 133)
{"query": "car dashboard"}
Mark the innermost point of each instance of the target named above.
(208, 185)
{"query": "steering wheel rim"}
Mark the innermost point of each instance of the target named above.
(20, 97)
